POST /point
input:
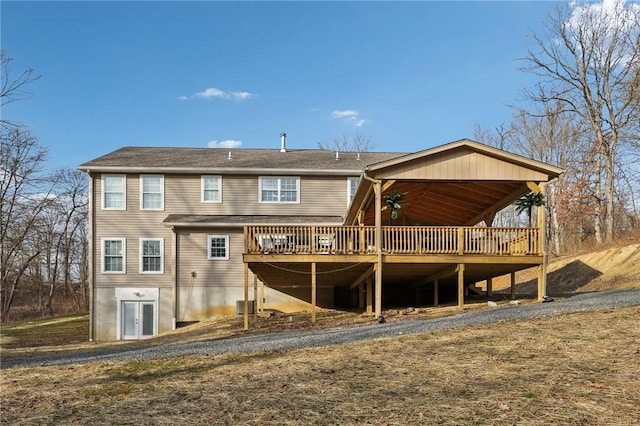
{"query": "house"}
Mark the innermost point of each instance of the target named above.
(183, 234)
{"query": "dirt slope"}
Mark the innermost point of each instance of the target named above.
(607, 269)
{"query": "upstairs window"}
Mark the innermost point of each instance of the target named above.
(211, 189)
(113, 255)
(218, 247)
(114, 196)
(151, 192)
(352, 184)
(151, 253)
(279, 189)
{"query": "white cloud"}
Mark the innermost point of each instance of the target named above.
(602, 23)
(241, 96)
(213, 93)
(229, 143)
(611, 15)
(344, 113)
(349, 116)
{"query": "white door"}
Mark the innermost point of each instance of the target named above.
(138, 320)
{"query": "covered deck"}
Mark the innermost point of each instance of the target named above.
(442, 238)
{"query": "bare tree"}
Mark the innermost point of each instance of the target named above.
(13, 89)
(550, 135)
(498, 137)
(64, 217)
(588, 62)
(355, 143)
(24, 192)
(43, 216)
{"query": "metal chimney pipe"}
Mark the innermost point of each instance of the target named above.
(283, 142)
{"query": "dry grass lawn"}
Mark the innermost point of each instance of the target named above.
(68, 334)
(581, 369)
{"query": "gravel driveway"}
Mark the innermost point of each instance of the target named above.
(336, 336)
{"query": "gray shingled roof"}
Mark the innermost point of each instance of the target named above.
(199, 220)
(186, 158)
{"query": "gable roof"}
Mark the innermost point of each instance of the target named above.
(446, 160)
(196, 160)
(189, 220)
(459, 183)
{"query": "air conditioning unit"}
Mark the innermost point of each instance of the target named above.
(240, 307)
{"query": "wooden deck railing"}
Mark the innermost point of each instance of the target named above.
(395, 240)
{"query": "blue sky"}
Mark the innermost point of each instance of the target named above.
(409, 75)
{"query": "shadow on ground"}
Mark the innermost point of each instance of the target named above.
(568, 279)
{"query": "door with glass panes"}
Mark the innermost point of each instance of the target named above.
(138, 319)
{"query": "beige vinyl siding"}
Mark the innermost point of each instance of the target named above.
(219, 284)
(318, 196)
(216, 284)
(131, 224)
(192, 256)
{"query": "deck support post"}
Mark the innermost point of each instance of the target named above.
(379, 286)
(540, 283)
(460, 285)
(513, 286)
(261, 296)
(361, 293)
(246, 296)
(369, 295)
(435, 293)
(379, 237)
(313, 292)
(255, 295)
(542, 240)
(489, 287)
(542, 229)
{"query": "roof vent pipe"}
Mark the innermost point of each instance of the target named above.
(358, 156)
(283, 142)
(337, 155)
(229, 157)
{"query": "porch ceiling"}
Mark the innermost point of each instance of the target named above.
(448, 203)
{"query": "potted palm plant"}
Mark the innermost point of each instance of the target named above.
(527, 202)
(392, 202)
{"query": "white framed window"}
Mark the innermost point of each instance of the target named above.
(218, 247)
(151, 255)
(211, 189)
(352, 184)
(151, 192)
(279, 189)
(114, 192)
(114, 255)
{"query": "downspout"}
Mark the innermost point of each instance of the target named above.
(90, 254)
(378, 218)
(542, 229)
(174, 256)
